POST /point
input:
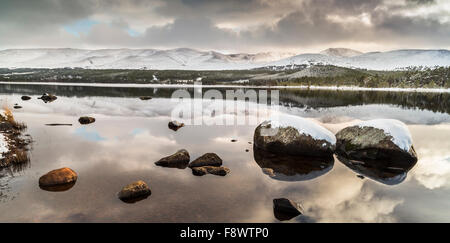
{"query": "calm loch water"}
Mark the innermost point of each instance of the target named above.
(130, 135)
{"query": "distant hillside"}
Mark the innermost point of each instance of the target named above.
(340, 52)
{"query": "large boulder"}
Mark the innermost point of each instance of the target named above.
(385, 140)
(26, 97)
(293, 135)
(180, 160)
(58, 180)
(134, 192)
(285, 209)
(209, 159)
(214, 170)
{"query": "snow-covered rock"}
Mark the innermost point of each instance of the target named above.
(288, 134)
(382, 139)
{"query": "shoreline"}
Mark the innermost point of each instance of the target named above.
(335, 88)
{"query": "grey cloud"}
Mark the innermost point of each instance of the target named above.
(195, 23)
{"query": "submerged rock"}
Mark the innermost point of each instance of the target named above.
(84, 120)
(174, 125)
(26, 97)
(214, 170)
(48, 98)
(285, 209)
(292, 168)
(145, 98)
(209, 159)
(378, 140)
(180, 160)
(17, 107)
(134, 192)
(294, 135)
(64, 177)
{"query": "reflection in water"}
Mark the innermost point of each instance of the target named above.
(58, 188)
(436, 102)
(292, 168)
(386, 173)
(134, 199)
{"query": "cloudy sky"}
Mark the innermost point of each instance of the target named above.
(226, 25)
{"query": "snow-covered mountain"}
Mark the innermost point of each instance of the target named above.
(390, 60)
(181, 58)
(190, 59)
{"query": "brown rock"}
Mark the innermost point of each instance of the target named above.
(178, 160)
(209, 159)
(145, 98)
(134, 192)
(17, 107)
(174, 125)
(214, 170)
(84, 120)
(26, 97)
(58, 177)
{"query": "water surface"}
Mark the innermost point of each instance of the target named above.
(130, 135)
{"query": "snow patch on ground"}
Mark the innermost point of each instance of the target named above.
(397, 129)
(303, 126)
(3, 146)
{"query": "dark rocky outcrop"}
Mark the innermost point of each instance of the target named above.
(209, 159)
(285, 209)
(48, 98)
(17, 107)
(26, 98)
(214, 170)
(134, 192)
(58, 180)
(174, 125)
(180, 160)
(84, 120)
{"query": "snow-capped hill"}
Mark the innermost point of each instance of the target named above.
(390, 60)
(340, 52)
(181, 58)
(190, 59)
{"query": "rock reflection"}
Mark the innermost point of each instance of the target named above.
(58, 188)
(292, 168)
(385, 172)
